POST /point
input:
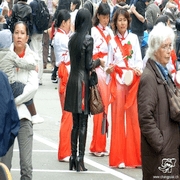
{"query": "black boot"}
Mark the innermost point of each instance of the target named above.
(82, 141)
(74, 136)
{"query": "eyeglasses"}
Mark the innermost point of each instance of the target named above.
(167, 47)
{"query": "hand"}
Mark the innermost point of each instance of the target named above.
(132, 8)
(36, 68)
(102, 63)
(137, 72)
(110, 69)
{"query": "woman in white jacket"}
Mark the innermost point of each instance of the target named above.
(30, 78)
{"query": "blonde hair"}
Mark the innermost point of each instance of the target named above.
(5, 11)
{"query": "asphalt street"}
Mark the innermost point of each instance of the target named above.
(45, 144)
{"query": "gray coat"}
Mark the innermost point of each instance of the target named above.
(79, 74)
(152, 13)
(159, 134)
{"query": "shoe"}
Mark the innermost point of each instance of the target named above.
(53, 77)
(55, 81)
(72, 163)
(106, 153)
(121, 166)
(40, 82)
(80, 164)
(98, 154)
(36, 119)
(138, 167)
(66, 159)
(4, 172)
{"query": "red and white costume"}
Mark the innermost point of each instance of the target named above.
(102, 37)
(125, 131)
(61, 51)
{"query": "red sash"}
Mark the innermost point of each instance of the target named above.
(99, 55)
(133, 88)
(63, 74)
(113, 85)
(118, 42)
(107, 38)
(60, 31)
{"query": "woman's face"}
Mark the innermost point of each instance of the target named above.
(66, 26)
(72, 7)
(122, 24)
(163, 54)
(20, 36)
(103, 19)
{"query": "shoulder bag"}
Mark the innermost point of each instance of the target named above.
(173, 96)
(95, 100)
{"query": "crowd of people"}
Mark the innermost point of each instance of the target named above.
(133, 46)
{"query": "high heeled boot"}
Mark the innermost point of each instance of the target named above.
(82, 142)
(74, 136)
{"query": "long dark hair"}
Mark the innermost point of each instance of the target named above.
(82, 28)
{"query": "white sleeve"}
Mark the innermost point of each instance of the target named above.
(30, 88)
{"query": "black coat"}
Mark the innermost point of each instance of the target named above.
(79, 74)
(159, 134)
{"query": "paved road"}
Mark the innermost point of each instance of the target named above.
(45, 163)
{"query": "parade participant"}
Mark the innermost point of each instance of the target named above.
(61, 39)
(102, 35)
(125, 132)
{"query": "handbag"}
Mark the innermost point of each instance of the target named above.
(96, 103)
(95, 100)
(173, 96)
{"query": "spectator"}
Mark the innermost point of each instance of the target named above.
(138, 21)
(9, 60)
(77, 92)
(30, 78)
(36, 41)
(47, 46)
(171, 10)
(62, 4)
(159, 133)
(22, 12)
(9, 117)
(2, 19)
(152, 13)
(9, 123)
(75, 5)
(90, 6)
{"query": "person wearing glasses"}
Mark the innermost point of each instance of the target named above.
(159, 133)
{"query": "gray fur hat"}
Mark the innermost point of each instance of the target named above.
(5, 39)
